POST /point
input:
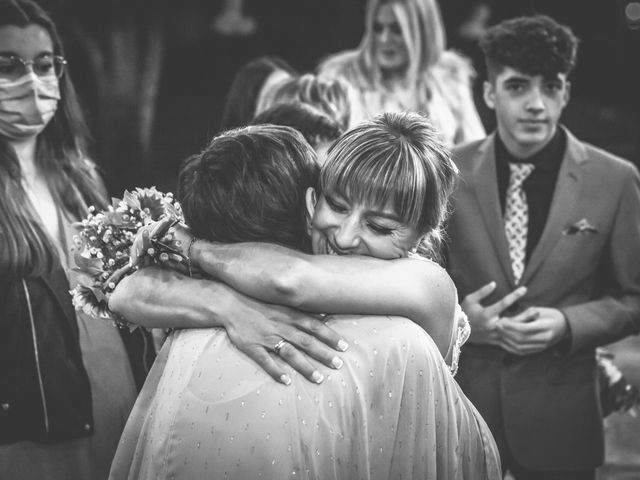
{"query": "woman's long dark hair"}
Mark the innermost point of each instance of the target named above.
(25, 248)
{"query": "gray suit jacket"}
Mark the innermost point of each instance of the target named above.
(585, 264)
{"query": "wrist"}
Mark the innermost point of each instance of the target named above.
(192, 253)
(563, 345)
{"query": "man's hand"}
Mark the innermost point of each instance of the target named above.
(523, 336)
(485, 321)
(256, 328)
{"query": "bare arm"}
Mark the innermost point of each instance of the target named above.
(156, 297)
(421, 291)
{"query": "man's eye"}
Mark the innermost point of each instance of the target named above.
(515, 87)
(553, 87)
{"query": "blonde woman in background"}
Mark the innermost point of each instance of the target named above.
(401, 64)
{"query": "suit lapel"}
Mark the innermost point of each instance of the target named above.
(486, 190)
(564, 200)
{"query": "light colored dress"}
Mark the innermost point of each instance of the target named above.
(113, 394)
(392, 411)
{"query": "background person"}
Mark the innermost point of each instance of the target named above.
(334, 97)
(401, 64)
(553, 224)
(317, 128)
(66, 385)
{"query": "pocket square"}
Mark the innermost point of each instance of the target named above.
(582, 227)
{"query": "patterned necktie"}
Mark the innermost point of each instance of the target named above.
(516, 217)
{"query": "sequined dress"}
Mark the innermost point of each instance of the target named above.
(392, 411)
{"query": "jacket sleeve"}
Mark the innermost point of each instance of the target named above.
(616, 313)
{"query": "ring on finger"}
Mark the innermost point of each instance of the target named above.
(278, 346)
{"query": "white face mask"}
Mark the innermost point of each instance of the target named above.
(27, 105)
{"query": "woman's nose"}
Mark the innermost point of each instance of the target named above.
(347, 235)
(384, 35)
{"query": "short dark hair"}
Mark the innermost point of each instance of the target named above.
(249, 184)
(533, 45)
(314, 125)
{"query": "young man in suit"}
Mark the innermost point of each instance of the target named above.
(543, 246)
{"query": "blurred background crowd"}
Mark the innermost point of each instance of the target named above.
(153, 75)
(155, 80)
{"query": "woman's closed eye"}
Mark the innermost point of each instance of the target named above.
(379, 229)
(336, 205)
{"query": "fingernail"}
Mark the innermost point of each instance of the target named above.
(342, 346)
(337, 362)
(286, 379)
(317, 377)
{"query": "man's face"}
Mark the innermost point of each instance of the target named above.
(527, 107)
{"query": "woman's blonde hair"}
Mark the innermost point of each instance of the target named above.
(332, 97)
(422, 30)
(397, 160)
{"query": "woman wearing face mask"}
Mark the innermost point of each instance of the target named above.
(66, 386)
(401, 64)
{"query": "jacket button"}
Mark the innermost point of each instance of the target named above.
(87, 426)
(6, 406)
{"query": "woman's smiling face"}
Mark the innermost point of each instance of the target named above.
(342, 227)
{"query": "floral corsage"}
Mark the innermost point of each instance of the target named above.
(102, 246)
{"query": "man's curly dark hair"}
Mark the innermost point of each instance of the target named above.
(533, 45)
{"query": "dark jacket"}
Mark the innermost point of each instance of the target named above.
(45, 394)
(544, 408)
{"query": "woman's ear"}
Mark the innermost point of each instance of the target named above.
(310, 199)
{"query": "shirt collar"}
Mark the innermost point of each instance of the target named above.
(549, 158)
